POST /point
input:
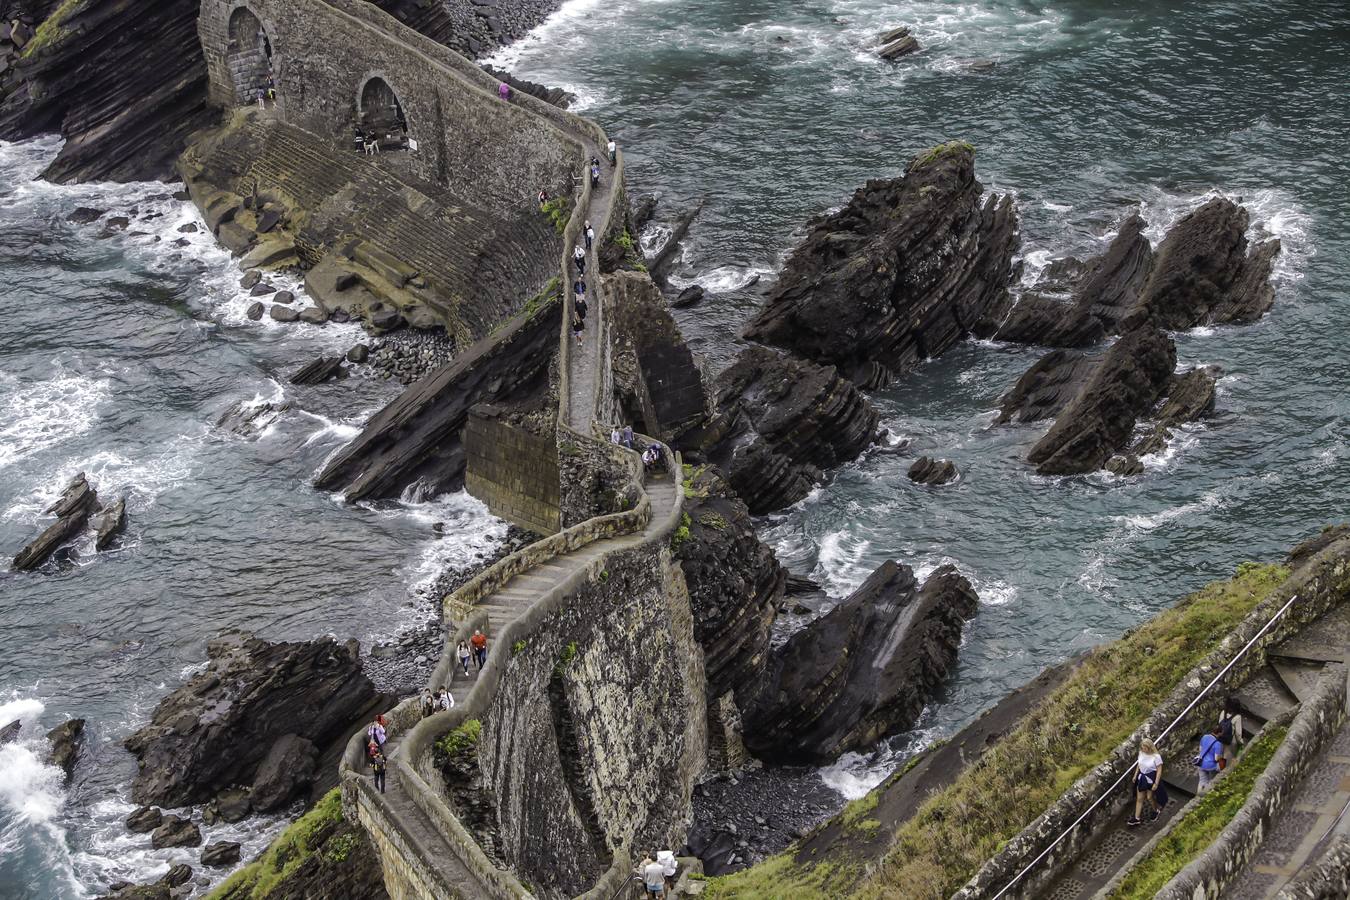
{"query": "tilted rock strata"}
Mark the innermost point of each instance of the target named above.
(124, 94)
(906, 269)
(781, 423)
(215, 731)
(1190, 397)
(862, 671)
(78, 502)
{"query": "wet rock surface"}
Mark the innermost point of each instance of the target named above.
(906, 269)
(78, 502)
(473, 27)
(320, 370)
(109, 524)
(214, 732)
(1190, 397)
(220, 854)
(927, 470)
(144, 819)
(863, 670)
(65, 740)
(175, 831)
(781, 423)
(745, 816)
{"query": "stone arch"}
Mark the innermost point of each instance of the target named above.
(249, 56)
(380, 114)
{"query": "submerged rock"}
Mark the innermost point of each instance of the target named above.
(688, 297)
(175, 831)
(65, 741)
(78, 502)
(906, 269)
(214, 732)
(927, 470)
(319, 371)
(863, 670)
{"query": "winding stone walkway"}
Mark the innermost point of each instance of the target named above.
(584, 359)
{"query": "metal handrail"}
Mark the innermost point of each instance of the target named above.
(1165, 732)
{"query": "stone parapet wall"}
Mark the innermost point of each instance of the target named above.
(1327, 879)
(1209, 875)
(511, 470)
(1321, 584)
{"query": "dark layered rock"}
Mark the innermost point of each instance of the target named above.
(472, 27)
(175, 831)
(283, 314)
(688, 297)
(1046, 387)
(1204, 274)
(418, 437)
(1191, 396)
(1049, 322)
(664, 254)
(255, 311)
(78, 502)
(65, 741)
(1124, 385)
(287, 769)
(862, 671)
(143, 820)
(319, 371)
(781, 423)
(124, 94)
(906, 269)
(179, 874)
(896, 43)
(655, 372)
(215, 731)
(927, 470)
(556, 96)
(109, 523)
(1109, 290)
(230, 806)
(735, 585)
(10, 732)
(220, 854)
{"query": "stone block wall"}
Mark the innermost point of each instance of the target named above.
(469, 142)
(511, 470)
(597, 733)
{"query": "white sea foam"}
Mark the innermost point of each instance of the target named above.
(721, 279)
(469, 533)
(840, 566)
(35, 416)
(1207, 502)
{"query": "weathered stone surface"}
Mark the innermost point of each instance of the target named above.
(251, 279)
(1046, 387)
(284, 772)
(179, 874)
(175, 831)
(220, 854)
(232, 805)
(284, 297)
(65, 741)
(109, 523)
(688, 297)
(781, 423)
(735, 585)
(417, 437)
(124, 98)
(78, 501)
(213, 732)
(358, 354)
(863, 670)
(1190, 396)
(262, 289)
(319, 371)
(255, 310)
(313, 316)
(902, 46)
(145, 819)
(1124, 385)
(906, 269)
(927, 470)
(84, 215)
(283, 314)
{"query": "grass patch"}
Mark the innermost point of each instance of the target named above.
(941, 150)
(292, 847)
(1202, 822)
(1077, 726)
(559, 211)
(625, 241)
(465, 737)
(713, 520)
(778, 879)
(543, 298)
(517, 648)
(691, 475)
(52, 30)
(682, 533)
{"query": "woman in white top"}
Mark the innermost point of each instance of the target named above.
(1147, 777)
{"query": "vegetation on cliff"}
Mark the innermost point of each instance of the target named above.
(1201, 823)
(1079, 724)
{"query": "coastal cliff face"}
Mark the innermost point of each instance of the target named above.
(125, 97)
(906, 269)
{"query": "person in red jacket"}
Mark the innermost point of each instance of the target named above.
(479, 644)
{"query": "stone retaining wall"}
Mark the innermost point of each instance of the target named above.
(511, 470)
(1321, 584)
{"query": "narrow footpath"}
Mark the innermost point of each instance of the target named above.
(584, 358)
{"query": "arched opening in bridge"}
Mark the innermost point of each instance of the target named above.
(380, 120)
(249, 57)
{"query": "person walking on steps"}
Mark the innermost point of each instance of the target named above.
(613, 150)
(590, 234)
(479, 644)
(579, 257)
(669, 866)
(463, 653)
(1147, 776)
(1211, 752)
(578, 326)
(1230, 724)
(595, 173)
(444, 700)
(378, 764)
(377, 733)
(428, 703)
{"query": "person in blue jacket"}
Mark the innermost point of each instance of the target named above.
(1211, 748)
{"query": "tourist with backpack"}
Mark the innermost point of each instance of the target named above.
(479, 644)
(378, 765)
(377, 733)
(1211, 751)
(1230, 725)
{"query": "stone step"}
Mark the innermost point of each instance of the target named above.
(1265, 695)
(1298, 676)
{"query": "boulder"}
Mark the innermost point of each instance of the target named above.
(320, 370)
(220, 854)
(902, 46)
(145, 819)
(109, 524)
(10, 732)
(126, 891)
(927, 470)
(189, 228)
(213, 732)
(78, 502)
(863, 670)
(287, 769)
(1124, 384)
(902, 272)
(175, 831)
(384, 320)
(781, 422)
(1124, 465)
(283, 314)
(284, 297)
(688, 297)
(313, 316)
(255, 310)
(65, 741)
(358, 354)
(232, 805)
(178, 875)
(250, 280)
(84, 215)
(644, 210)
(262, 289)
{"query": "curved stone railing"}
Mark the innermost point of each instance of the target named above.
(1209, 875)
(1035, 856)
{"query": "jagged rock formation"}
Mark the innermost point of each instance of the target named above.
(660, 383)
(472, 27)
(906, 269)
(1124, 385)
(65, 741)
(1190, 397)
(175, 831)
(78, 502)
(781, 423)
(220, 854)
(110, 523)
(124, 94)
(557, 96)
(417, 439)
(735, 585)
(215, 731)
(1046, 387)
(927, 470)
(320, 370)
(863, 670)
(896, 43)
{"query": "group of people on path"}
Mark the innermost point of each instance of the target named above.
(657, 872)
(441, 701)
(651, 454)
(376, 736)
(1218, 750)
(474, 648)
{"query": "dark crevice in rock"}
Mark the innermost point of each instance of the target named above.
(567, 736)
